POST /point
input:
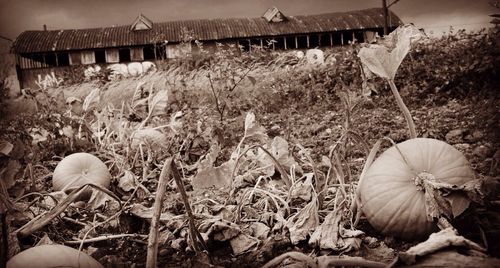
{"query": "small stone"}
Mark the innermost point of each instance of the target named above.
(462, 147)
(178, 244)
(477, 135)
(455, 136)
(371, 242)
(369, 104)
(483, 151)
(275, 128)
(330, 116)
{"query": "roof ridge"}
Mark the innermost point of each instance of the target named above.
(210, 19)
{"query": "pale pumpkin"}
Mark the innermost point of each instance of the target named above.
(78, 169)
(390, 199)
(48, 256)
(148, 136)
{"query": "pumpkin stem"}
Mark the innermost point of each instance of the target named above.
(403, 108)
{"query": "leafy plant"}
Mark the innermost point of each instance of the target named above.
(384, 60)
(225, 75)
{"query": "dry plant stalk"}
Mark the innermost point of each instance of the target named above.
(195, 235)
(323, 261)
(157, 207)
(403, 108)
(43, 219)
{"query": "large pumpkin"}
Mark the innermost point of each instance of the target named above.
(48, 256)
(78, 169)
(390, 199)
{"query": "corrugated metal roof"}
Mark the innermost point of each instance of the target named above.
(202, 30)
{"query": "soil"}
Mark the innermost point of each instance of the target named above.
(468, 121)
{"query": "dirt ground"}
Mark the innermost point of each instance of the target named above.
(467, 120)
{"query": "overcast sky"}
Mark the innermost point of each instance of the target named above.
(17, 16)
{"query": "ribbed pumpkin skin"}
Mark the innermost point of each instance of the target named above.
(148, 136)
(78, 169)
(390, 199)
(49, 256)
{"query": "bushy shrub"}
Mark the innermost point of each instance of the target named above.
(454, 64)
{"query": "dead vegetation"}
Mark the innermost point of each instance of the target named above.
(269, 180)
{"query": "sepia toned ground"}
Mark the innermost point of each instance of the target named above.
(301, 114)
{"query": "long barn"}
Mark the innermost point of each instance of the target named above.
(43, 52)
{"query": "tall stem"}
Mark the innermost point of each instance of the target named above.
(403, 108)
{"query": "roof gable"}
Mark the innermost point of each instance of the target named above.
(141, 23)
(273, 14)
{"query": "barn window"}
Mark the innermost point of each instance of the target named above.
(112, 55)
(88, 57)
(124, 54)
(75, 58)
(100, 56)
(137, 54)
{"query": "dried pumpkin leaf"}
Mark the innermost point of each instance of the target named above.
(143, 212)
(437, 241)
(331, 234)
(6, 147)
(128, 181)
(260, 230)
(243, 243)
(279, 150)
(303, 222)
(8, 174)
(253, 129)
(102, 200)
(209, 176)
(447, 199)
(302, 190)
(175, 122)
(435, 204)
(92, 99)
(159, 103)
(219, 229)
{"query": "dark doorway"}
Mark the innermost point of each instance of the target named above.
(149, 53)
(124, 54)
(100, 56)
(63, 59)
